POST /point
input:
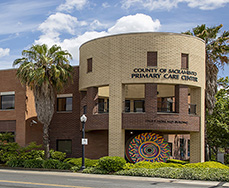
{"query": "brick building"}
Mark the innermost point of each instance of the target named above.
(129, 86)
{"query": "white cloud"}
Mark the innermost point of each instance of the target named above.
(96, 24)
(135, 23)
(4, 52)
(69, 5)
(207, 4)
(56, 24)
(53, 27)
(105, 5)
(169, 4)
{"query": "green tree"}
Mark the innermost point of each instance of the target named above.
(45, 70)
(218, 122)
(216, 57)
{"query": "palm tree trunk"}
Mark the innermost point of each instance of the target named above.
(46, 141)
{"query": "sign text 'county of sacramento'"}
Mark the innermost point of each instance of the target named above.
(175, 74)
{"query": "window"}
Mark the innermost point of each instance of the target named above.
(7, 100)
(64, 102)
(171, 148)
(64, 146)
(89, 65)
(103, 105)
(184, 61)
(85, 109)
(165, 104)
(151, 58)
(182, 152)
(127, 105)
(188, 148)
(139, 106)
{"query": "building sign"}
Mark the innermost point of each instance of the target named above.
(165, 121)
(175, 74)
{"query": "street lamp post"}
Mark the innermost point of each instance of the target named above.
(83, 120)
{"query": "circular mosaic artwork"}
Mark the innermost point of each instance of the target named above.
(147, 147)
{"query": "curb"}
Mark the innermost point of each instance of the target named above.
(114, 177)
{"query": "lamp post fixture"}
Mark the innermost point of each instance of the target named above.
(83, 120)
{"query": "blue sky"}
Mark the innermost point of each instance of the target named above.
(70, 23)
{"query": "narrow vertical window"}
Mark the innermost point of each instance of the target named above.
(85, 109)
(151, 58)
(127, 105)
(184, 61)
(89, 65)
(171, 148)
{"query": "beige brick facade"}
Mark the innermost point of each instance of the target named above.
(115, 61)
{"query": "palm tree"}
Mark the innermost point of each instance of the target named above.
(216, 57)
(45, 70)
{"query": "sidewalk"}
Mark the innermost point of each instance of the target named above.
(133, 178)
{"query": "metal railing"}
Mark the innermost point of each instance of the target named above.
(102, 107)
(135, 108)
(192, 108)
(168, 107)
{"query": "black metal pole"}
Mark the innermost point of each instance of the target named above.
(83, 146)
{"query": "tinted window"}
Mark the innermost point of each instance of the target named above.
(7, 102)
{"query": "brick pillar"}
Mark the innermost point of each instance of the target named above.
(92, 100)
(20, 98)
(181, 99)
(151, 98)
(83, 100)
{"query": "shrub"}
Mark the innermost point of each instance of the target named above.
(33, 154)
(64, 166)
(33, 163)
(112, 164)
(95, 170)
(12, 151)
(176, 161)
(15, 163)
(51, 164)
(8, 151)
(75, 168)
(180, 173)
(57, 155)
(150, 165)
(78, 162)
(209, 164)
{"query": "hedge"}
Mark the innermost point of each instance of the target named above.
(212, 174)
(78, 162)
(112, 164)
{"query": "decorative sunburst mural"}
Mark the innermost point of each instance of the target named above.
(147, 147)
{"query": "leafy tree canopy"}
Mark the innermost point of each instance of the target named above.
(218, 122)
(217, 49)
